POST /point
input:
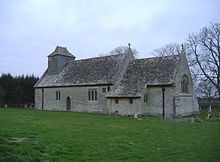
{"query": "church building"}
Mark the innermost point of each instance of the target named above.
(117, 84)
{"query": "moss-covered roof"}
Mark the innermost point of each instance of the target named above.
(144, 72)
(100, 70)
(131, 82)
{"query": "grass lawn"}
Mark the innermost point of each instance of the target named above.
(32, 135)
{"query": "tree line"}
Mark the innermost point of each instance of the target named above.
(17, 90)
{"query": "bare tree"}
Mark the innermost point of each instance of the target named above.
(206, 89)
(203, 56)
(202, 87)
(204, 48)
(167, 50)
(121, 50)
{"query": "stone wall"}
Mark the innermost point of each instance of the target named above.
(155, 100)
(78, 97)
(38, 98)
(124, 107)
(183, 69)
(184, 104)
(56, 63)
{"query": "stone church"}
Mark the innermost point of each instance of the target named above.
(116, 84)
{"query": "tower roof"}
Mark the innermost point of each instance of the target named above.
(61, 51)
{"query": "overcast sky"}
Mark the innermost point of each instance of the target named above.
(31, 29)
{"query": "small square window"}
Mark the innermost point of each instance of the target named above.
(103, 90)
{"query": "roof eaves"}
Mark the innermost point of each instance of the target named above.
(74, 85)
(35, 86)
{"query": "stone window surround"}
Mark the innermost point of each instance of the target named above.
(92, 94)
(104, 90)
(185, 84)
(58, 95)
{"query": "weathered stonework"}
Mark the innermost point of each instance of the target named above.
(124, 107)
(78, 97)
(152, 86)
(184, 104)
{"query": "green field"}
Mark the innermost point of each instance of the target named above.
(31, 135)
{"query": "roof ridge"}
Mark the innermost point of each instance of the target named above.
(99, 57)
(155, 57)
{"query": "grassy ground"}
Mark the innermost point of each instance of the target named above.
(31, 135)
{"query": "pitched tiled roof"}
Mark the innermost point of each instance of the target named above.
(61, 51)
(100, 70)
(143, 72)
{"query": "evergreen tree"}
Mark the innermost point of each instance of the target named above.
(18, 90)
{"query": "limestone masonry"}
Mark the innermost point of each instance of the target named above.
(117, 84)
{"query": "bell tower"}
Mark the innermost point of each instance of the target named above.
(58, 59)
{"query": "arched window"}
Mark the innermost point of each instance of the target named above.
(185, 84)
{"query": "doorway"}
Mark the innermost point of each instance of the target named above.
(68, 103)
